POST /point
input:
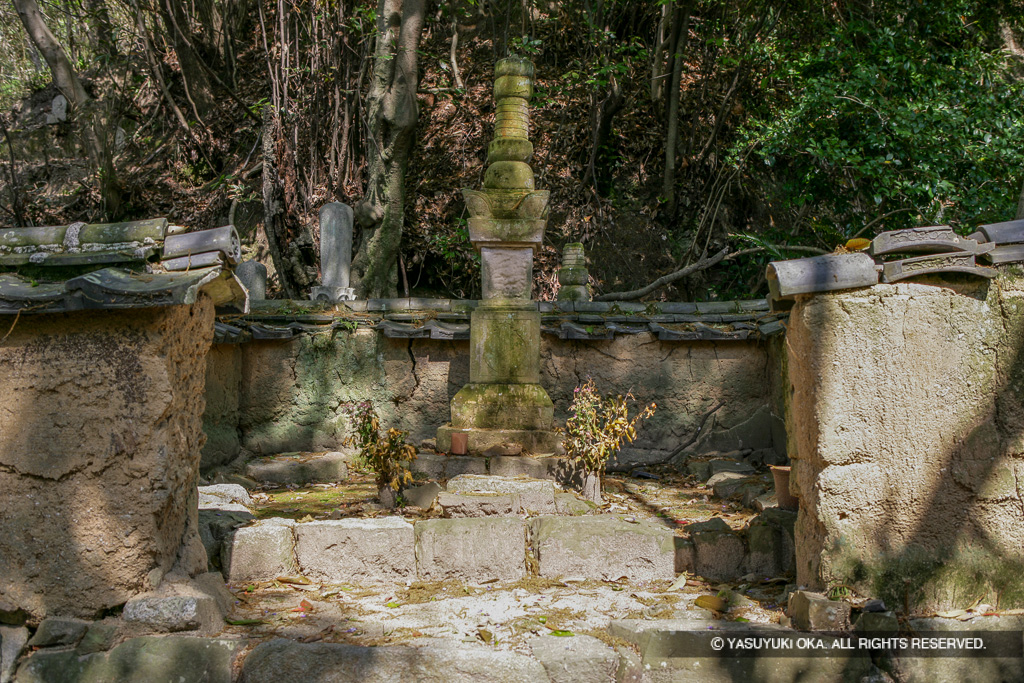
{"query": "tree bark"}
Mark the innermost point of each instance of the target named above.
(196, 81)
(1020, 205)
(291, 244)
(392, 114)
(95, 128)
(681, 25)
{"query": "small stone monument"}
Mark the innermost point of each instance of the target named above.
(253, 275)
(504, 401)
(335, 254)
(573, 275)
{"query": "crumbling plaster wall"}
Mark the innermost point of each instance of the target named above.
(288, 395)
(100, 438)
(907, 435)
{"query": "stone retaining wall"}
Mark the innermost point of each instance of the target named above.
(907, 433)
(100, 437)
(271, 397)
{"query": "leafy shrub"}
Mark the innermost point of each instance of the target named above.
(598, 426)
(387, 454)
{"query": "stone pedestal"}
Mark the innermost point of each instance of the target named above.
(907, 438)
(100, 437)
(504, 401)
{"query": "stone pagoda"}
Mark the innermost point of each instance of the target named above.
(504, 401)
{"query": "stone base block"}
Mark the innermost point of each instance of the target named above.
(356, 550)
(261, 552)
(532, 440)
(603, 547)
(332, 294)
(502, 406)
(718, 552)
(457, 505)
(523, 466)
(531, 496)
(471, 550)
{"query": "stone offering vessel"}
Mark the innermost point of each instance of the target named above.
(504, 401)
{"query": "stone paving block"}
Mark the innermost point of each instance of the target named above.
(686, 555)
(152, 659)
(422, 496)
(685, 656)
(603, 547)
(456, 465)
(430, 465)
(284, 660)
(575, 660)
(569, 504)
(261, 552)
(216, 494)
(356, 550)
(718, 552)
(461, 505)
(306, 469)
(174, 612)
(534, 496)
(471, 550)
(771, 543)
(725, 484)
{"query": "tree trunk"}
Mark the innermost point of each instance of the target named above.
(1020, 205)
(392, 111)
(681, 26)
(197, 82)
(291, 244)
(94, 124)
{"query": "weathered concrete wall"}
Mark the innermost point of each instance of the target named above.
(907, 430)
(100, 433)
(290, 393)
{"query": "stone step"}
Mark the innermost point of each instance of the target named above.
(300, 468)
(471, 550)
(682, 650)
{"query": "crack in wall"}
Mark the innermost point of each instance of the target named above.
(412, 359)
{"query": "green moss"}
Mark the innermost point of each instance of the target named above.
(926, 579)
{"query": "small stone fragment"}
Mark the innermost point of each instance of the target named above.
(815, 612)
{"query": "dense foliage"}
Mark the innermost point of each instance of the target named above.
(664, 129)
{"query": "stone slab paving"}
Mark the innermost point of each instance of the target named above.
(357, 550)
(471, 550)
(604, 547)
(285, 660)
(576, 659)
(307, 469)
(139, 660)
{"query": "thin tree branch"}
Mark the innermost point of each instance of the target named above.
(703, 263)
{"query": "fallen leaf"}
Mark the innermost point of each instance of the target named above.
(712, 602)
(485, 635)
(392, 605)
(679, 583)
(298, 579)
(561, 634)
(245, 622)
